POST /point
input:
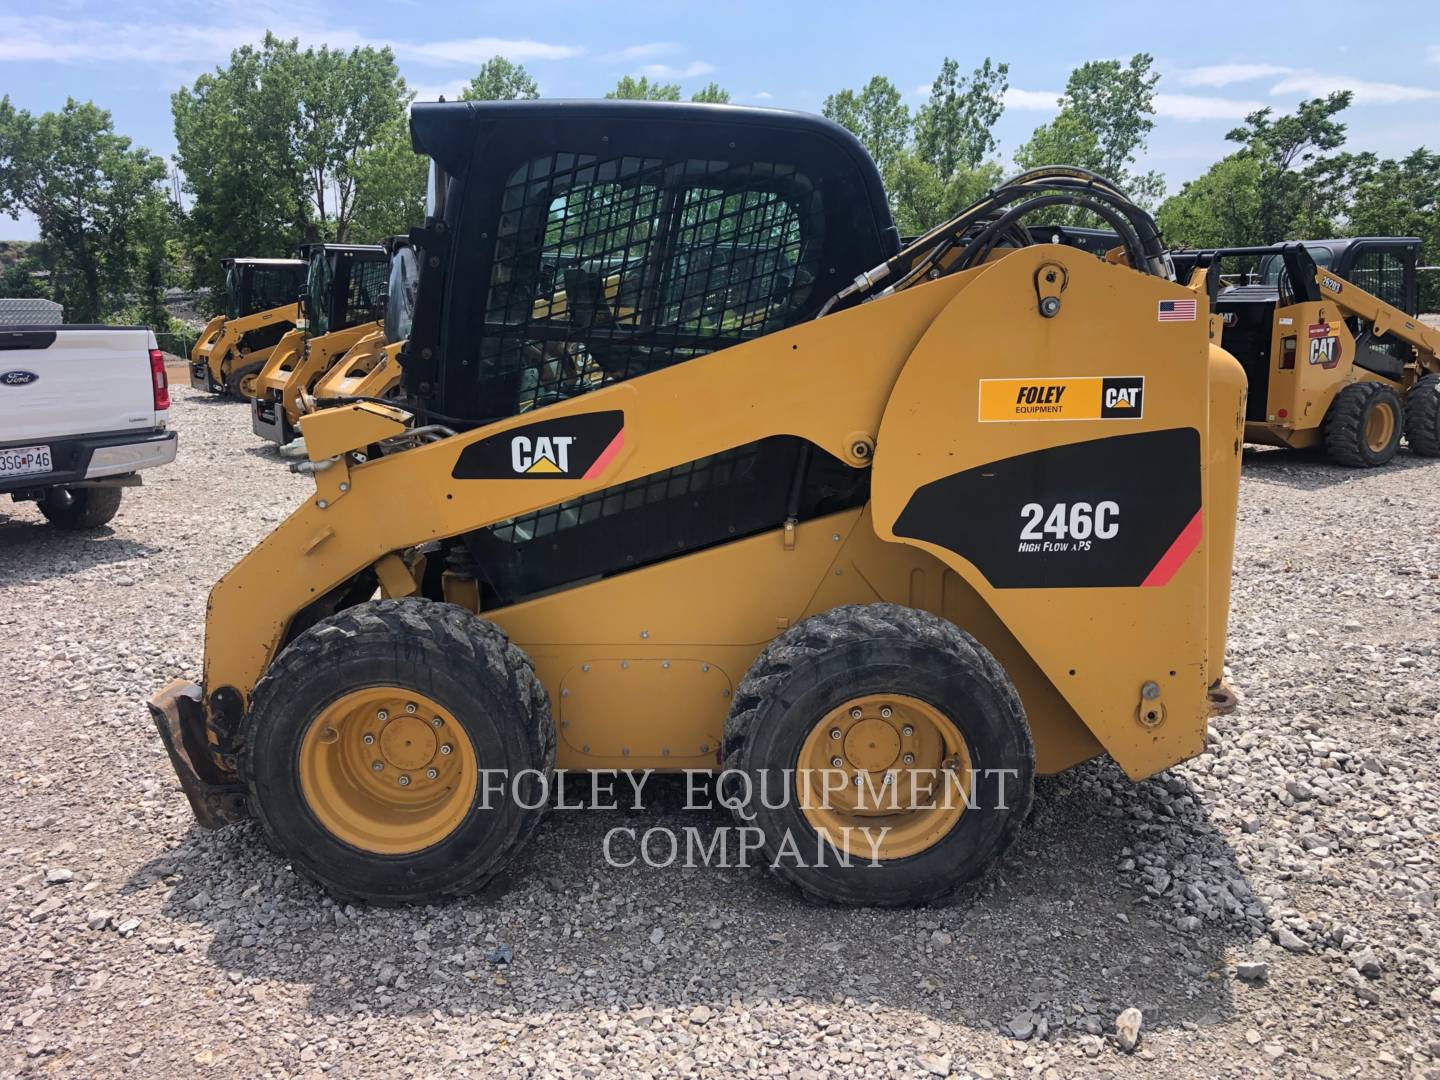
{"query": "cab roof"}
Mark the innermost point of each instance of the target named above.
(448, 131)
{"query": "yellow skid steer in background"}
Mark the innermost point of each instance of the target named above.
(262, 305)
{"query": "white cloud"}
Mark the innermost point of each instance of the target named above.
(1200, 107)
(1037, 100)
(1226, 74)
(477, 50)
(1314, 83)
(47, 38)
(644, 51)
(667, 71)
(763, 95)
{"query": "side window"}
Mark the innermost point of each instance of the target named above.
(1381, 273)
(366, 288)
(608, 269)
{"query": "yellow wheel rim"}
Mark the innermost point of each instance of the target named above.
(884, 762)
(247, 384)
(387, 770)
(1379, 427)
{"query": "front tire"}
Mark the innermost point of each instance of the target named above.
(364, 742)
(80, 508)
(1422, 416)
(1363, 427)
(240, 384)
(904, 706)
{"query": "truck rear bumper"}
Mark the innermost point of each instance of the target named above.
(217, 798)
(95, 457)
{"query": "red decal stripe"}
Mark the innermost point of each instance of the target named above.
(1171, 561)
(606, 456)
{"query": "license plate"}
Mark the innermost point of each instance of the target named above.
(20, 460)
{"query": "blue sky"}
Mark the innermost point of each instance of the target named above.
(129, 55)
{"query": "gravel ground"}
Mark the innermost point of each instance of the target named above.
(1270, 908)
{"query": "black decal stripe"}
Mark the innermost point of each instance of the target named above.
(1154, 477)
(592, 434)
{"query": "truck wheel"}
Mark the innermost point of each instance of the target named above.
(1364, 424)
(241, 384)
(80, 508)
(1422, 416)
(878, 717)
(364, 742)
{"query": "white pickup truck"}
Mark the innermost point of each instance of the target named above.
(82, 410)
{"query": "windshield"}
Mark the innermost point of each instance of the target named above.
(317, 293)
(232, 293)
(1272, 266)
(400, 294)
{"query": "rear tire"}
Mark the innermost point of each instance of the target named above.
(387, 837)
(852, 671)
(1422, 416)
(1363, 427)
(240, 384)
(80, 508)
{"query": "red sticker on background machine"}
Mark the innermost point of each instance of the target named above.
(1319, 329)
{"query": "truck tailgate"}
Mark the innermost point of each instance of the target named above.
(66, 380)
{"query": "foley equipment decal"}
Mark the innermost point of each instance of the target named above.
(1111, 397)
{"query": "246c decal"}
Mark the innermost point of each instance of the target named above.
(1122, 512)
(1068, 526)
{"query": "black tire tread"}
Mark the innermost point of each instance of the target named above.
(459, 632)
(843, 625)
(1344, 429)
(1422, 416)
(89, 508)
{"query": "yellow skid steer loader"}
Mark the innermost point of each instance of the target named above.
(1332, 364)
(261, 307)
(342, 303)
(371, 368)
(874, 533)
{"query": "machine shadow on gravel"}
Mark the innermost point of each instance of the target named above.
(1056, 933)
(36, 551)
(1309, 470)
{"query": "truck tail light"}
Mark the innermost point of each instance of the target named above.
(160, 380)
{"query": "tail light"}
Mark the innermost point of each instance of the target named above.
(160, 381)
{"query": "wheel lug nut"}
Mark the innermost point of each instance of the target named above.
(889, 779)
(368, 740)
(835, 733)
(435, 723)
(404, 781)
(907, 731)
(887, 712)
(382, 716)
(909, 759)
(445, 749)
(836, 762)
(379, 766)
(855, 714)
(409, 706)
(431, 774)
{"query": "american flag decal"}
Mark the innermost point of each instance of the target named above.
(1177, 311)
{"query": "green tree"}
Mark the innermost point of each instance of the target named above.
(1217, 209)
(876, 116)
(953, 130)
(272, 147)
(501, 80)
(1106, 115)
(1401, 198)
(713, 93)
(642, 89)
(922, 199)
(390, 181)
(100, 205)
(1298, 187)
